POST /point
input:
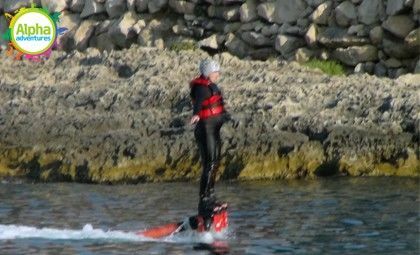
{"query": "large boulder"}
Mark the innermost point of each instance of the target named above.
(416, 6)
(353, 55)
(69, 20)
(123, 32)
(413, 39)
(399, 25)
(286, 44)
(83, 34)
(92, 7)
(102, 42)
(322, 13)
(76, 5)
(156, 5)
(371, 11)
(311, 35)
(359, 30)
(376, 34)
(236, 46)
(115, 8)
(255, 26)
(392, 63)
(256, 39)
(303, 55)
(333, 37)
(131, 5)
(157, 29)
(248, 11)
(417, 68)
(263, 53)
(183, 7)
(345, 13)
(104, 26)
(270, 30)
(12, 5)
(210, 42)
(397, 48)
(380, 69)
(228, 13)
(290, 10)
(54, 5)
(315, 3)
(231, 27)
(141, 5)
(394, 7)
(267, 11)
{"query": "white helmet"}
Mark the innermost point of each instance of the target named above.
(208, 66)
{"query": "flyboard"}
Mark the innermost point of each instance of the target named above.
(193, 224)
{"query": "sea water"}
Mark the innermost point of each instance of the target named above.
(325, 216)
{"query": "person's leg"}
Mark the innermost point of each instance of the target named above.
(200, 137)
(212, 156)
(207, 144)
(215, 159)
(213, 147)
(204, 145)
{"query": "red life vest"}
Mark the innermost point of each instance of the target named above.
(213, 105)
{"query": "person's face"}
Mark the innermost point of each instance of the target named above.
(214, 76)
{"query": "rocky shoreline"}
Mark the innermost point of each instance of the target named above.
(380, 37)
(122, 117)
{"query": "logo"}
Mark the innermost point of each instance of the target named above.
(32, 33)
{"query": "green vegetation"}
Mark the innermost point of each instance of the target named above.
(330, 67)
(309, 161)
(185, 45)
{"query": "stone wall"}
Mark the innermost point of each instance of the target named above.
(375, 36)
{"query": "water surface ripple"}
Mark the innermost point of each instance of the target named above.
(327, 216)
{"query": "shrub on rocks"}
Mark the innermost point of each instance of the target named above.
(329, 67)
(183, 45)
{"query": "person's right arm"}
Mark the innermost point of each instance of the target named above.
(199, 94)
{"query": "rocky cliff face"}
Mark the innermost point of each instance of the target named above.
(380, 37)
(122, 117)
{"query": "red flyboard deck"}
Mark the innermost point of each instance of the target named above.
(220, 222)
(159, 232)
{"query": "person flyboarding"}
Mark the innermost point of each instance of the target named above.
(209, 114)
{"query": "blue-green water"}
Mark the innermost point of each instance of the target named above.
(327, 216)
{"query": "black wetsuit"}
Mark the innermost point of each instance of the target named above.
(207, 135)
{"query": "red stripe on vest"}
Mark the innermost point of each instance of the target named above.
(212, 100)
